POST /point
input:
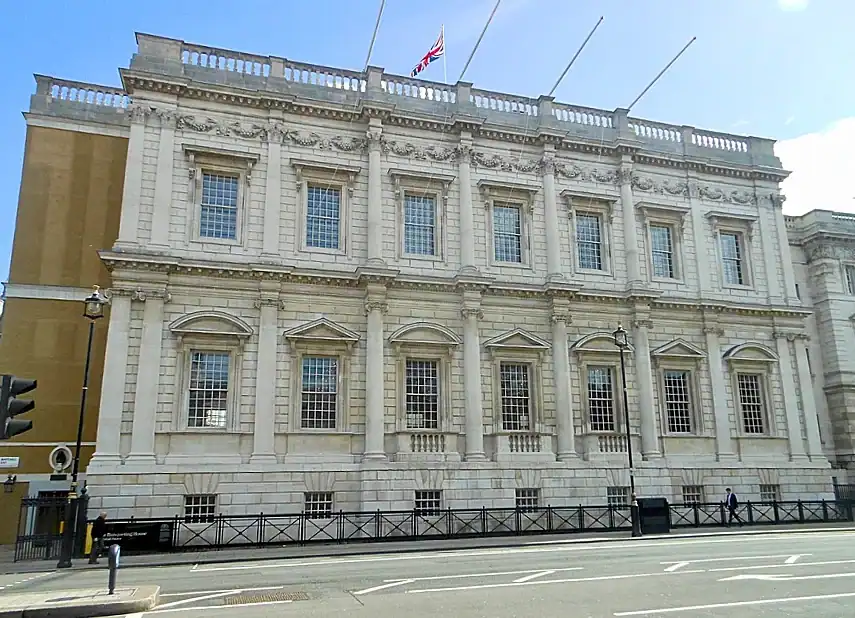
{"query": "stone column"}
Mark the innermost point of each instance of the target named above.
(132, 188)
(264, 430)
(467, 216)
(553, 229)
(272, 194)
(814, 442)
(791, 405)
(644, 377)
(163, 181)
(375, 411)
(721, 408)
(375, 194)
(630, 233)
(701, 238)
(784, 244)
(148, 378)
(768, 240)
(472, 382)
(113, 381)
(561, 376)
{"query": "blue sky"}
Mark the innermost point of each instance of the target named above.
(774, 68)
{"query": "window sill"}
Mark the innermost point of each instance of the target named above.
(323, 250)
(421, 257)
(671, 280)
(518, 265)
(736, 286)
(228, 242)
(594, 271)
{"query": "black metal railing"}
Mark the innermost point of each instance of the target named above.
(844, 492)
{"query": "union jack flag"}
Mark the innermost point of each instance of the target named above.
(435, 53)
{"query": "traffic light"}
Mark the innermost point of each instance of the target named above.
(10, 407)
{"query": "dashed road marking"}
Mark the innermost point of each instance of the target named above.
(25, 580)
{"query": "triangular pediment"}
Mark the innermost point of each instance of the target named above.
(210, 323)
(424, 333)
(751, 352)
(518, 339)
(600, 343)
(679, 349)
(321, 329)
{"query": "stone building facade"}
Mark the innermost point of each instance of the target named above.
(341, 290)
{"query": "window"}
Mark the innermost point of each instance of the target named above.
(420, 213)
(589, 241)
(419, 224)
(323, 217)
(507, 233)
(732, 258)
(428, 502)
(662, 251)
(618, 496)
(209, 389)
(664, 233)
(676, 363)
(318, 504)
(751, 402)
(693, 494)
(849, 276)
(515, 395)
(678, 401)
(319, 392)
(219, 213)
(527, 500)
(590, 222)
(323, 207)
(733, 232)
(200, 509)
(601, 409)
(422, 394)
(770, 493)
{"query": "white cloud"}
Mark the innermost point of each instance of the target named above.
(793, 5)
(822, 166)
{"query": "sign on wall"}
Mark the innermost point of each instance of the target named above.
(9, 462)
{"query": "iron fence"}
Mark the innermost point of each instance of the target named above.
(40, 524)
(844, 492)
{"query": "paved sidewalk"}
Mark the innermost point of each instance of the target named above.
(323, 550)
(79, 603)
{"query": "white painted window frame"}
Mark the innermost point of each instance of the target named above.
(432, 185)
(341, 177)
(495, 193)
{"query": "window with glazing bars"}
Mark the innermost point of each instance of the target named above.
(209, 389)
(428, 502)
(751, 402)
(601, 408)
(419, 224)
(850, 279)
(678, 401)
(200, 509)
(516, 396)
(662, 248)
(693, 494)
(318, 504)
(528, 499)
(422, 394)
(617, 496)
(323, 217)
(507, 232)
(219, 213)
(770, 493)
(319, 392)
(589, 241)
(731, 256)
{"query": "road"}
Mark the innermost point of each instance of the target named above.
(792, 574)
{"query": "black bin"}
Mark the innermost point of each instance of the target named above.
(654, 515)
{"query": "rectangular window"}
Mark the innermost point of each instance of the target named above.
(662, 251)
(678, 401)
(516, 396)
(751, 402)
(318, 504)
(601, 409)
(850, 278)
(731, 256)
(320, 392)
(618, 496)
(589, 240)
(422, 394)
(209, 389)
(693, 494)
(770, 493)
(323, 217)
(419, 225)
(219, 213)
(428, 503)
(507, 233)
(527, 500)
(200, 509)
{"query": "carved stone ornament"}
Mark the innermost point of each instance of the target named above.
(570, 171)
(376, 305)
(665, 187)
(475, 312)
(736, 196)
(603, 177)
(817, 251)
(266, 302)
(506, 163)
(412, 151)
(713, 330)
(141, 295)
(643, 323)
(139, 113)
(623, 175)
(547, 163)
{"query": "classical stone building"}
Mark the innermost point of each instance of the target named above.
(343, 290)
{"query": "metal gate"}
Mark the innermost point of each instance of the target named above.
(40, 526)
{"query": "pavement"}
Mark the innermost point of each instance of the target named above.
(78, 603)
(777, 573)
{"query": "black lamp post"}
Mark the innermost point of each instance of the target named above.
(93, 310)
(622, 342)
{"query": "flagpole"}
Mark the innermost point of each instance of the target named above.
(661, 73)
(574, 57)
(444, 54)
(374, 36)
(463, 72)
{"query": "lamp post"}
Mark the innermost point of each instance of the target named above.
(622, 342)
(93, 310)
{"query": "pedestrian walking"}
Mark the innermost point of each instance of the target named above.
(99, 530)
(732, 503)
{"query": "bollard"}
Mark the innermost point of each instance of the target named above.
(113, 560)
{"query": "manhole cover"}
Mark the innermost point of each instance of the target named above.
(240, 599)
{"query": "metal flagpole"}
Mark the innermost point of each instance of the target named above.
(444, 53)
(463, 72)
(374, 36)
(661, 73)
(576, 56)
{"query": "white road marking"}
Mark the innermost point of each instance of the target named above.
(778, 566)
(203, 597)
(187, 594)
(397, 582)
(492, 574)
(675, 566)
(793, 559)
(693, 608)
(27, 579)
(735, 558)
(528, 578)
(781, 577)
(213, 607)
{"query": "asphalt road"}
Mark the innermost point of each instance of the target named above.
(793, 574)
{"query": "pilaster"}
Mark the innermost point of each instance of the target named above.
(702, 240)
(473, 405)
(630, 231)
(814, 442)
(641, 341)
(788, 385)
(375, 193)
(553, 229)
(467, 216)
(132, 187)
(561, 375)
(264, 429)
(723, 432)
(272, 193)
(163, 181)
(375, 307)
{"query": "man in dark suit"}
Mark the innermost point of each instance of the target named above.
(732, 503)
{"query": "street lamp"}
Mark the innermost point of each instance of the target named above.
(622, 342)
(9, 484)
(93, 310)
